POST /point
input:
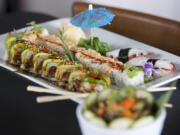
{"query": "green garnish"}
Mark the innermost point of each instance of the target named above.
(115, 96)
(148, 79)
(18, 36)
(128, 91)
(132, 70)
(35, 26)
(67, 51)
(98, 46)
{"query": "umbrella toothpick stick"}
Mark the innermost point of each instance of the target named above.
(91, 36)
(91, 30)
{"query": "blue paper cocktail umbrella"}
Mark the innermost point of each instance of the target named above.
(92, 18)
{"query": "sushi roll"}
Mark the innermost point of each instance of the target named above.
(55, 49)
(63, 72)
(15, 53)
(126, 54)
(9, 41)
(87, 80)
(27, 58)
(131, 75)
(49, 67)
(163, 67)
(38, 60)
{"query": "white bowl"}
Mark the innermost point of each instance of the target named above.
(88, 128)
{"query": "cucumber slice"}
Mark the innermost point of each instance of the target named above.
(91, 99)
(142, 94)
(139, 106)
(98, 121)
(121, 123)
(104, 94)
(143, 121)
(88, 114)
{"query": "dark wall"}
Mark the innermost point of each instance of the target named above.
(11, 5)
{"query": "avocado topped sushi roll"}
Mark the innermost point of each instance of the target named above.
(49, 67)
(63, 72)
(38, 60)
(15, 53)
(27, 58)
(9, 41)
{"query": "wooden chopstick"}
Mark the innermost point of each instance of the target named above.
(168, 105)
(50, 91)
(44, 99)
(160, 89)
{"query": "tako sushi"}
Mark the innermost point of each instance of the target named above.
(163, 67)
(126, 54)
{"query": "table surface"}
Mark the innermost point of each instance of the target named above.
(19, 112)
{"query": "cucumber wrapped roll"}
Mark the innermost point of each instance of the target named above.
(27, 58)
(50, 66)
(15, 53)
(38, 60)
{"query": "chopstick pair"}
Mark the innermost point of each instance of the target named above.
(64, 95)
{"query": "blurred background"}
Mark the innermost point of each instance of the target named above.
(62, 8)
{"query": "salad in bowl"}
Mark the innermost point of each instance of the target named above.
(128, 111)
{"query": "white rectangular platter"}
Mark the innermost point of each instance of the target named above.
(114, 40)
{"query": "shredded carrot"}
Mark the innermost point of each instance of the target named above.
(83, 68)
(94, 75)
(101, 109)
(32, 44)
(127, 103)
(55, 54)
(45, 50)
(10, 34)
(70, 62)
(127, 113)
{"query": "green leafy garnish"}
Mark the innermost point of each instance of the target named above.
(35, 26)
(67, 51)
(18, 36)
(115, 96)
(98, 46)
(128, 91)
(164, 99)
(132, 70)
(148, 79)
